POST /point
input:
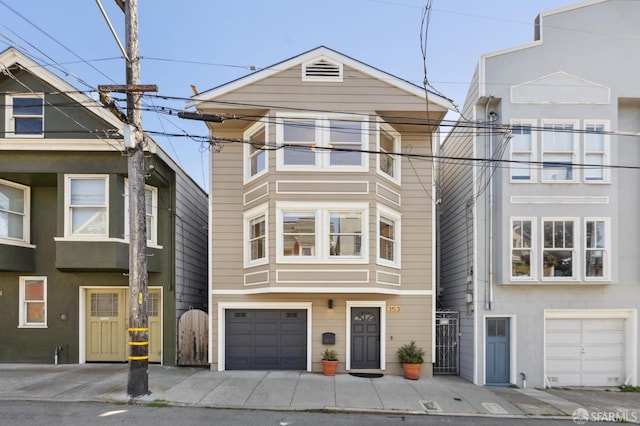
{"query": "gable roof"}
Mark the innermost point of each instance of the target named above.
(319, 52)
(11, 57)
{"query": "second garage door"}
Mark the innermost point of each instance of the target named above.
(266, 339)
(585, 352)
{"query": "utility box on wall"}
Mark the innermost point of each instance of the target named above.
(328, 338)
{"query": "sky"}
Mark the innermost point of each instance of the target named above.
(208, 43)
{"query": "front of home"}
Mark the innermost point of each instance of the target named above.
(64, 249)
(538, 251)
(321, 233)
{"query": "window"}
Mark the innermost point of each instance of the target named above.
(522, 145)
(558, 153)
(150, 211)
(325, 142)
(86, 200)
(521, 248)
(596, 255)
(320, 232)
(388, 144)
(25, 115)
(256, 159)
(558, 253)
(256, 236)
(388, 237)
(33, 302)
(596, 144)
(14, 212)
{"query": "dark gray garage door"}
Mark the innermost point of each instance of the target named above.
(266, 339)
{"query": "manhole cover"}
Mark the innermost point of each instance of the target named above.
(494, 408)
(430, 405)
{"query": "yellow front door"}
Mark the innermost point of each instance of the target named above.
(107, 325)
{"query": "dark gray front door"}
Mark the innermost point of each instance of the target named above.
(498, 357)
(365, 338)
(266, 339)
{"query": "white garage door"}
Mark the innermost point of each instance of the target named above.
(585, 352)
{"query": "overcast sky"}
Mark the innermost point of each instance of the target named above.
(210, 42)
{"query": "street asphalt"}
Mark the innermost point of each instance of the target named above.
(296, 390)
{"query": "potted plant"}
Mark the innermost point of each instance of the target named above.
(411, 359)
(329, 362)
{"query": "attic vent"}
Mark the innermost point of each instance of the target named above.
(321, 70)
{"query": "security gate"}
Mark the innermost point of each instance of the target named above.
(447, 332)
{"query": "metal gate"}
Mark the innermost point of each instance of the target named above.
(447, 333)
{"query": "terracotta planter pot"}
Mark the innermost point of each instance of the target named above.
(412, 371)
(329, 367)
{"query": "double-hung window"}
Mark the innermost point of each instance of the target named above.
(388, 237)
(256, 231)
(150, 212)
(522, 145)
(33, 302)
(308, 142)
(522, 239)
(14, 212)
(558, 151)
(86, 199)
(255, 150)
(388, 147)
(596, 144)
(559, 249)
(25, 115)
(596, 254)
(321, 232)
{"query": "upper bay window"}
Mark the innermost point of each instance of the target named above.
(522, 154)
(256, 232)
(25, 116)
(522, 239)
(150, 212)
(255, 150)
(596, 147)
(321, 233)
(14, 212)
(388, 237)
(388, 147)
(309, 142)
(558, 151)
(86, 202)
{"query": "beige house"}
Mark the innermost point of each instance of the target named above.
(321, 226)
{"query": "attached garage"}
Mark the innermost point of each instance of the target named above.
(585, 351)
(265, 339)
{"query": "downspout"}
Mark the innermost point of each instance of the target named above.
(490, 118)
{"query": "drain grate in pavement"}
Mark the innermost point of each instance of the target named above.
(430, 405)
(494, 408)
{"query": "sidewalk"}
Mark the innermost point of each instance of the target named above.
(294, 390)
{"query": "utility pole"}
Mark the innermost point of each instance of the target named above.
(138, 378)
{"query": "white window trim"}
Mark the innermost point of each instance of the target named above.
(153, 240)
(261, 210)
(10, 120)
(26, 217)
(606, 160)
(67, 206)
(606, 264)
(574, 170)
(383, 211)
(397, 147)
(322, 211)
(262, 123)
(578, 252)
(322, 139)
(534, 145)
(534, 249)
(22, 323)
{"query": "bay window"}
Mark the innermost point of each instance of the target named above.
(388, 147)
(558, 151)
(14, 212)
(321, 232)
(522, 145)
(324, 142)
(388, 237)
(596, 249)
(559, 249)
(256, 233)
(521, 248)
(596, 144)
(86, 199)
(255, 153)
(150, 212)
